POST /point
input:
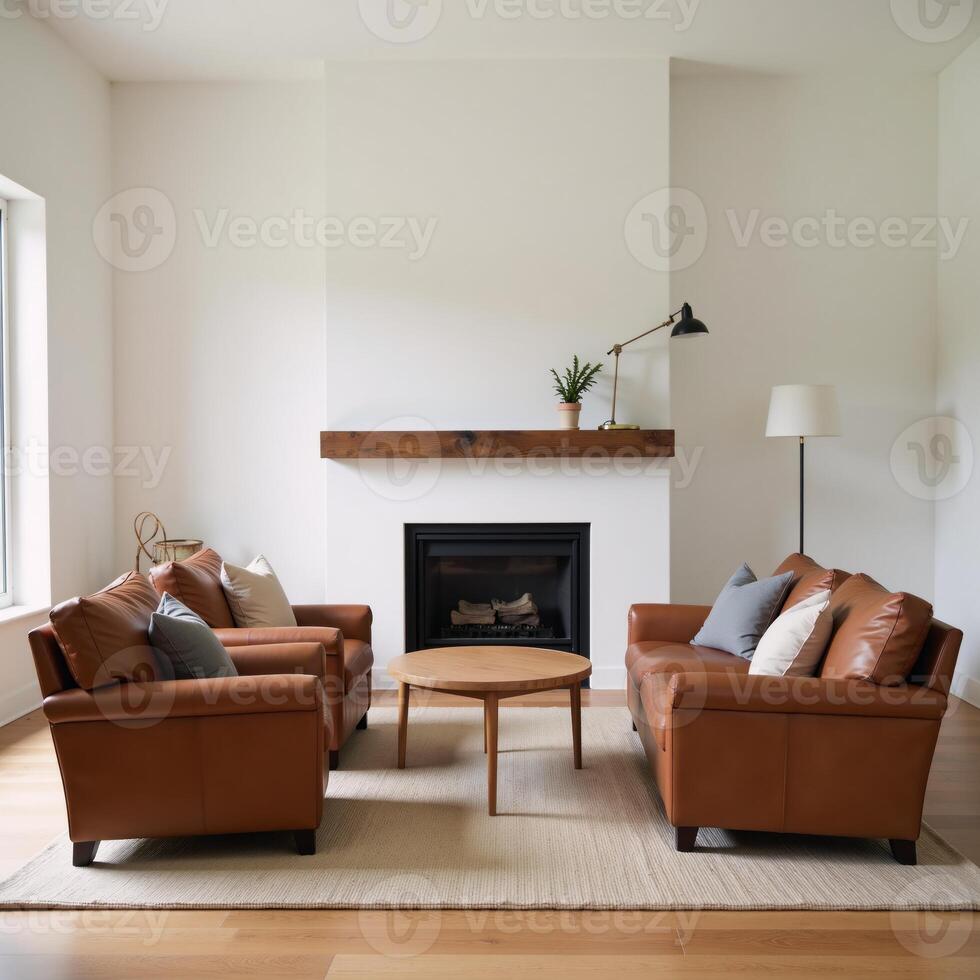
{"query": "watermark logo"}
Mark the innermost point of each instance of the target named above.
(400, 21)
(402, 468)
(400, 926)
(933, 459)
(926, 932)
(667, 230)
(932, 21)
(148, 14)
(136, 230)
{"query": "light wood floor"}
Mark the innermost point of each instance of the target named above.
(459, 944)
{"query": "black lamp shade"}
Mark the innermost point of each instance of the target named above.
(688, 326)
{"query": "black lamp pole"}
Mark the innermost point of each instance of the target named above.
(802, 454)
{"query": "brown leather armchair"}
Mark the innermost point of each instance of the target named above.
(838, 755)
(344, 631)
(142, 756)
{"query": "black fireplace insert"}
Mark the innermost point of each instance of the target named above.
(497, 585)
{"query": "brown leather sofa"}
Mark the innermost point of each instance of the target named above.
(846, 753)
(343, 631)
(145, 756)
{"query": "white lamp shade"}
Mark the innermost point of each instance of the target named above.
(803, 410)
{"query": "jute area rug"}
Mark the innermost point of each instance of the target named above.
(421, 838)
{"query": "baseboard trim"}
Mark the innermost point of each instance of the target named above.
(967, 688)
(17, 703)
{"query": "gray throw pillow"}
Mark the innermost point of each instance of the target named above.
(743, 611)
(187, 642)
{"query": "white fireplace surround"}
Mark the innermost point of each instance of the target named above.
(628, 513)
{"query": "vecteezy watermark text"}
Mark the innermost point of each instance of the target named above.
(144, 463)
(412, 234)
(679, 13)
(409, 21)
(148, 14)
(835, 230)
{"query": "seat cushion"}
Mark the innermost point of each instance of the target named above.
(104, 636)
(809, 578)
(664, 657)
(358, 660)
(878, 635)
(196, 582)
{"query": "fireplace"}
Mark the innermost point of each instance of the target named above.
(507, 584)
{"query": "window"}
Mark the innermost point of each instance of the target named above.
(5, 591)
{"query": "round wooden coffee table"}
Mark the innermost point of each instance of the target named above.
(490, 674)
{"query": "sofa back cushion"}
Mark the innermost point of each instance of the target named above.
(809, 578)
(878, 635)
(196, 582)
(104, 636)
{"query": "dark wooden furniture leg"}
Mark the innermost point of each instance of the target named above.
(685, 838)
(334, 760)
(362, 724)
(904, 851)
(305, 841)
(83, 852)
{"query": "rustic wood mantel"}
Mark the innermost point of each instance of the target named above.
(427, 444)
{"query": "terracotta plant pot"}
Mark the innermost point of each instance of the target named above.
(568, 415)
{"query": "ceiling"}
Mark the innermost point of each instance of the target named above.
(167, 40)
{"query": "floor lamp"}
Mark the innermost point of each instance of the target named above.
(801, 411)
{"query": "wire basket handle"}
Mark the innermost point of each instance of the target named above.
(143, 540)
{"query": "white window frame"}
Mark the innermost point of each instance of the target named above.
(6, 587)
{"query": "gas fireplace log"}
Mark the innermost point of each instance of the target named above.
(472, 619)
(475, 608)
(517, 607)
(530, 620)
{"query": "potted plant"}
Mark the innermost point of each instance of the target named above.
(570, 387)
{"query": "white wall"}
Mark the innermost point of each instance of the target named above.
(530, 169)
(219, 353)
(54, 141)
(958, 519)
(860, 318)
(222, 352)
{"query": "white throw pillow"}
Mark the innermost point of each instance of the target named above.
(796, 642)
(255, 596)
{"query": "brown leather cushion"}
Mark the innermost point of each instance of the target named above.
(104, 636)
(358, 660)
(809, 578)
(664, 657)
(878, 635)
(196, 582)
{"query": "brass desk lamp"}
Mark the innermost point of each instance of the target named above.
(688, 327)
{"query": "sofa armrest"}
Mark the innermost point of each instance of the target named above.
(139, 703)
(352, 620)
(802, 696)
(329, 638)
(673, 623)
(283, 658)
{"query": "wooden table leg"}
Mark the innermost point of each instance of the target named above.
(486, 723)
(491, 730)
(575, 692)
(403, 692)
